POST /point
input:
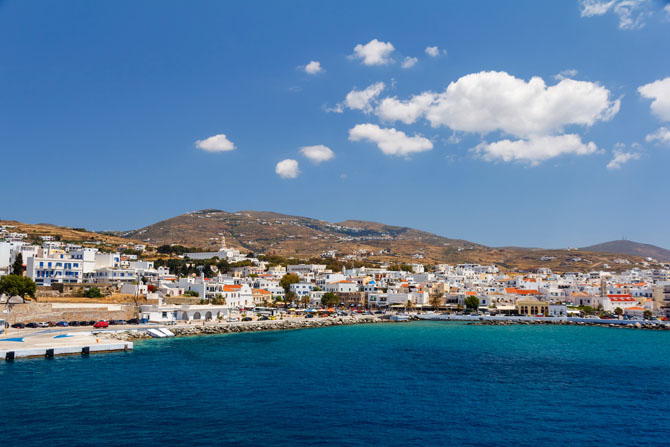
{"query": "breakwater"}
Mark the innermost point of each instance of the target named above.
(604, 323)
(249, 326)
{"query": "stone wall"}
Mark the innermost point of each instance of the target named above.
(72, 290)
(28, 312)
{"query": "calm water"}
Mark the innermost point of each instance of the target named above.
(429, 383)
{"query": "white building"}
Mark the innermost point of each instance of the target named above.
(302, 288)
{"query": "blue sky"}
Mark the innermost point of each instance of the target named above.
(526, 126)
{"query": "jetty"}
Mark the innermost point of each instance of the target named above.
(510, 320)
(52, 343)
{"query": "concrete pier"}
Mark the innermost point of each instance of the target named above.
(56, 343)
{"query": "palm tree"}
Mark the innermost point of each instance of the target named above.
(410, 305)
(436, 302)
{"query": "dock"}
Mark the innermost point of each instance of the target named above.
(52, 343)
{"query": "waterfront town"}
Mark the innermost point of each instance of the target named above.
(71, 279)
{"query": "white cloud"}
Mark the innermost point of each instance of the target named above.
(566, 74)
(392, 109)
(535, 149)
(632, 13)
(217, 143)
(490, 101)
(409, 62)
(661, 136)
(667, 9)
(374, 52)
(592, 8)
(659, 92)
(621, 158)
(317, 154)
(287, 168)
(434, 51)
(361, 99)
(390, 141)
(314, 67)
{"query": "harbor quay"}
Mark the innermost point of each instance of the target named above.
(56, 343)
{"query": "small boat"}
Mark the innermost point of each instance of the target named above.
(399, 317)
(155, 333)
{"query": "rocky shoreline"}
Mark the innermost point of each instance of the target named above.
(628, 325)
(251, 326)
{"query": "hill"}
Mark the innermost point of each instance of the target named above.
(303, 237)
(274, 233)
(64, 234)
(631, 248)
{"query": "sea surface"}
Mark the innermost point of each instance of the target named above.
(404, 384)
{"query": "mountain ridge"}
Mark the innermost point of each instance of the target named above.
(631, 248)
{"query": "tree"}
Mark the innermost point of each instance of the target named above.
(93, 292)
(410, 305)
(289, 298)
(647, 314)
(287, 280)
(330, 299)
(472, 302)
(19, 285)
(436, 301)
(618, 311)
(17, 267)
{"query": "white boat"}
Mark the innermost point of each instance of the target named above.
(399, 317)
(166, 331)
(155, 333)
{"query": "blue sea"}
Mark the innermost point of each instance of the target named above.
(420, 383)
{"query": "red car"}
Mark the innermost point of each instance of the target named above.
(101, 324)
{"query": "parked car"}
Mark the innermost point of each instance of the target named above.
(62, 324)
(247, 319)
(121, 322)
(42, 324)
(18, 325)
(143, 321)
(133, 321)
(101, 324)
(73, 323)
(32, 325)
(89, 323)
(112, 322)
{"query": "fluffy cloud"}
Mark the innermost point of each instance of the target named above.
(621, 158)
(662, 136)
(287, 168)
(392, 109)
(314, 67)
(361, 99)
(534, 150)
(374, 52)
(490, 101)
(217, 143)
(434, 51)
(632, 13)
(317, 154)
(409, 62)
(390, 141)
(659, 92)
